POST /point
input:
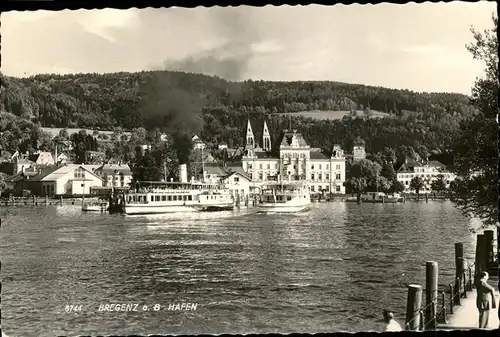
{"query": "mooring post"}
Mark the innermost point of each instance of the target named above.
(470, 278)
(443, 299)
(431, 293)
(61, 200)
(46, 199)
(481, 253)
(426, 197)
(460, 272)
(479, 242)
(459, 252)
(489, 238)
(413, 307)
(452, 303)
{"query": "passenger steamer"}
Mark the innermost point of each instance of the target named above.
(284, 198)
(172, 197)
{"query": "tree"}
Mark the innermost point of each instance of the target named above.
(389, 155)
(439, 185)
(366, 169)
(417, 184)
(475, 191)
(397, 186)
(356, 185)
(63, 134)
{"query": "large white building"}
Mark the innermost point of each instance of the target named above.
(429, 172)
(293, 160)
(68, 180)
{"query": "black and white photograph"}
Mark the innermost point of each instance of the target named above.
(249, 170)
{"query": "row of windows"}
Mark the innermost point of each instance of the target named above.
(48, 189)
(279, 198)
(325, 188)
(80, 173)
(411, 175)
(407, 182)
(141, 198)
(275, 166)
(313, 176)
(116, 178)
(293, 155)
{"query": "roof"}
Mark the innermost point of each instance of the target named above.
(95, 152)
(63, 170)
(24, 161)
(115, 168)
(435, 163)
(44, 172)
(215, 170)
(15, 178)
(92, 167)
(359, 142)
(265, 155)
(318, 155)
(239, 171)
(287, 137)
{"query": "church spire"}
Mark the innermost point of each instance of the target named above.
(250, 136)
(266, 138)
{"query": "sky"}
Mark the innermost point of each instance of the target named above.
(420, 47)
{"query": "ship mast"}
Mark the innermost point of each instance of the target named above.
(202, 164)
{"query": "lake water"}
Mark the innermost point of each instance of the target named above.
(333, 268)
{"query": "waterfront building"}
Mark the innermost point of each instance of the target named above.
(115, 175)
(293, 160)
(238, 183)
(53, 181)
(428, 171)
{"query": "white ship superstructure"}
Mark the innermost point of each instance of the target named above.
(284, 198)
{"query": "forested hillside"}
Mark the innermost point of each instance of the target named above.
(217, 109)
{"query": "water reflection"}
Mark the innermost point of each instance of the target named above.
(314, 272)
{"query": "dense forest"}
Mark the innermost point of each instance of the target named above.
(217, 110)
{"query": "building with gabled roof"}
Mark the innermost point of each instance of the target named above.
(67, 180)
(429, 171)
(114, 175)
(293, 159)
(42, 158)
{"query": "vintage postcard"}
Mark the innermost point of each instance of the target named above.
(237, 170)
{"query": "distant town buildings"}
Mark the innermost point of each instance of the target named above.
(198, 144)
(429, 172)
(358, 151)
(293, 160)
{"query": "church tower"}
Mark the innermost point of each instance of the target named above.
(266, 138)
(250, 136)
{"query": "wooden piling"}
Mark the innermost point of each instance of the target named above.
(413, 307)
(443, 299)
(61, 200)
(460, 275)
(431, 293)
(459, 253)
(480, 254)
(46, 200)
(489, 255)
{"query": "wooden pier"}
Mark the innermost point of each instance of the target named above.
(40, 201)
(454, 306)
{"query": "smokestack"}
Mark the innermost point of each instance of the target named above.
(183, 176)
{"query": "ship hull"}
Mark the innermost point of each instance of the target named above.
(157, 209)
